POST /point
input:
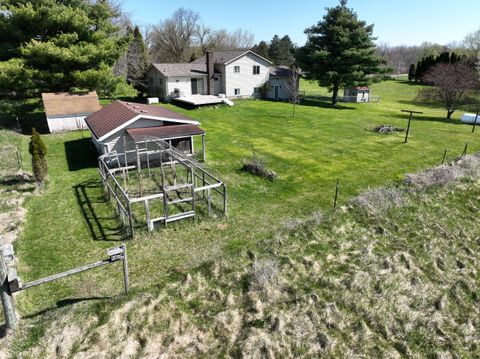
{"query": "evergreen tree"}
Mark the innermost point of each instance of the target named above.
(137, 62)
(46, 43)
(39, 162)
(262, 49)
(411, 72)
(443, 58)
(281, 51)
(340, 51)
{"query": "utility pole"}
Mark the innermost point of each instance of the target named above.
(6, 294)
(409, 121)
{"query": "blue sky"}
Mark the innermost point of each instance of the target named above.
(408, 22)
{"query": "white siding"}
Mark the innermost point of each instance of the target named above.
(156, 83)
(66, 123)
(283, 88)
(245, 80)
(115, 141)
(184, 84)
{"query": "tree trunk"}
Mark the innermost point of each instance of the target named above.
(449, 114)
(335, 94)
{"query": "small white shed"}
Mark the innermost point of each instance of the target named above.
(356, 94)
(66, 111)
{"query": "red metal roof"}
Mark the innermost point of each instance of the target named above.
(164, 132)
(119, 113)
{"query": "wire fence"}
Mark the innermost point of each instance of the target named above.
(10, 160)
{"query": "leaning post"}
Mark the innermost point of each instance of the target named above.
(6, 294)
(409, 122)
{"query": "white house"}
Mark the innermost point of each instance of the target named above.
(67, 111)
(127, 121)
(356, 94)
(235, 74)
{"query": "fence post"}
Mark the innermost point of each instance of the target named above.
(5, 293)
(444, 155)
(336, 196)
(125, 268)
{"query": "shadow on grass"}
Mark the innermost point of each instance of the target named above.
(93, 204)
(22, 115)
(424, 117)
(81, 154)
(323, 104)
(63, 303)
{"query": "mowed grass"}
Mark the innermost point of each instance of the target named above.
(71, 223)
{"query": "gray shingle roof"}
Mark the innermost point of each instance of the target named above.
(181, 69)
(189, 69)
(221, 57)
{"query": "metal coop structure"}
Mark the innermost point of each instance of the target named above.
(153, 182)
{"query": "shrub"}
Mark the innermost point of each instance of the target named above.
(257, 166)
(264, 274)
(378, 200)
(38, 151)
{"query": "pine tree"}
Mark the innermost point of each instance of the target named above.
(38, 150)
(340, 51)
(411, 72)
(137, 61)
(46, 43)
(262, 49)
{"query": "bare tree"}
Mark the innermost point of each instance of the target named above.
(172, 39)
(293, 87)
(451, 83)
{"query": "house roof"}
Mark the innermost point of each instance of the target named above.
(280, 71)
(119, 114)
(164, 132)
(360, 88)
(225, 57)
(188, 69)
(67, 103)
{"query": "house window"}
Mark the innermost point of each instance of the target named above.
(256, 70)
(160, 82)
(237, 92)
(151, 79)
(256, 90)
(236, 69)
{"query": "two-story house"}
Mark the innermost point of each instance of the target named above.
(235, 74)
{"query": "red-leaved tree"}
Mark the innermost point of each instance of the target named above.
(450, 85)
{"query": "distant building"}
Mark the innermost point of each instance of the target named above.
(234, 74)
(66, 111)
(356, 94)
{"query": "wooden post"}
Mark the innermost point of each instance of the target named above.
(224, 200)
(409, 121)
(204, 154)
(209, 196)
(19, 159)
(130, 218)
(476, 118)
(6, 295)
(336, 196)
(148, 160)
(444, 155)
(147, 214)
(125, 268)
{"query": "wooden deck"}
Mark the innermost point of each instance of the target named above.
(199, 100)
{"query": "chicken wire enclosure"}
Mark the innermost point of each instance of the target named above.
(150, 181)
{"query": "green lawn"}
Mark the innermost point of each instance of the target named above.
(72, 224)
